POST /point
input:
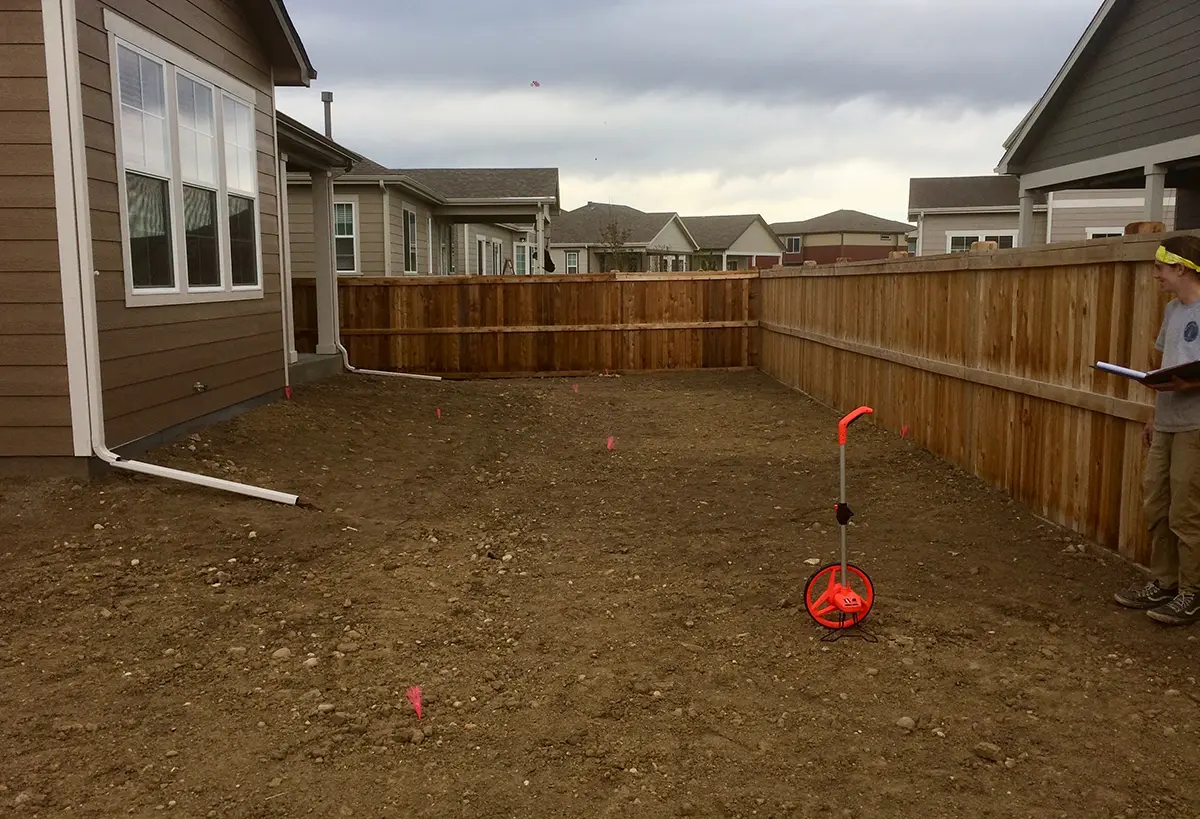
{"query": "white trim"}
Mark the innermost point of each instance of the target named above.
(409, 247)
(61, 73)
(350, 199)
(1136, 203)
(979, 234)
(135, 35)
(387, 228)
(429, 230)
(1049, 217)
(1092, 231)
(1014, 143)
(1138, 159)
(285, 260)
(567, 261)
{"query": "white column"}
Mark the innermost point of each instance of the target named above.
(285, 266)
(724, 259)
(1156, 183)
(541, 237)
(1025, 224)
(323, 263)
(429, 233)
(387, 229)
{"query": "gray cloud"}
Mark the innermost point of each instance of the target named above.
(910, 53)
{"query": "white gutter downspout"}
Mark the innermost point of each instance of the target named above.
(80, 248)
(387, 228)
(1049, 216)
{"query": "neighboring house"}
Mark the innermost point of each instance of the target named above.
(140, 264)
(953, 212)
(1123, 112)
(847, 234)
(597, 238)
(733, 242)
(394, 222)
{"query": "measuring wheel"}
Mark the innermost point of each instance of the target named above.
(836, 602)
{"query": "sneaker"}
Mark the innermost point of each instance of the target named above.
(1147, 596)
(1182, 611)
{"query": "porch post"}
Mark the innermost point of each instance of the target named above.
(1156, 183)
(724, 259)
(1025, 223)
(541, 237)
(285, 266)
(326, 275)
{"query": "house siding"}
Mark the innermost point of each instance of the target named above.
(934, 242)
(1070, 224)
(758, 240)
(671, 239)
(152, 356)
(1142, 88)
(300, 230)
(401, 203)
(586, 259)
(496, 234)
(35, 407)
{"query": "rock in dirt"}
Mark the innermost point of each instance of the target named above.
(907, 723)
(240, 651)
(311, 662)
(282, 654)
(325, 707)
(989, 751)
(347, 648)
(417, 736)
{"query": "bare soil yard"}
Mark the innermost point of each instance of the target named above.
(596, 633)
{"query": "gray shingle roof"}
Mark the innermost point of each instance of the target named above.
(963, 192)
(472, 183)
(842, 221)
(718, 232)
(585, 225)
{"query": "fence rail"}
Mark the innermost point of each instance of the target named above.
(988, 360)
(462, 326)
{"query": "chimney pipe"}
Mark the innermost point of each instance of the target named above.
(327, 99)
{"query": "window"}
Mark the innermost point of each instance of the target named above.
(793, 244)
(497, 262)
(912, 245)
(572, 261)
(410, 241)
(961, 241)
(732, 264)
(480, 256)
(885, 237)
(1105, 233)
(345, 236)
(187, 173)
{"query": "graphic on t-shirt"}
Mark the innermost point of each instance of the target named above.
(1191, 331)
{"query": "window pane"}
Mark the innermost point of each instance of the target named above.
(1005, 241)
(141, 87)
(149, 231)
(200, 231)
(240, 169)
(197, 131)
(343, 219)
(343, 248)
(243, 241)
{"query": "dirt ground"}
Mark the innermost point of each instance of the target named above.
(596, 633)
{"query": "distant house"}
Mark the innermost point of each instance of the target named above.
(598, 237)
(1123, 112)
(734, 242)
(841, 234)
(395, 222)
(953, 212)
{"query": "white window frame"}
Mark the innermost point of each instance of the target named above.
(977, 236)
(572, 268)
(483, 252)
(795, 244)
(175, 61)
(352, 201)
(409, 214)
(1093, 231)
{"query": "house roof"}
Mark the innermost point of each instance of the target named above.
(842, 221)
(720, 232)
(1088, 44)
(296, 136)
(935, 193)
(585, 225)
(468, 183)
(288, 55)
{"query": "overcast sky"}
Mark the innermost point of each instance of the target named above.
(788, 108)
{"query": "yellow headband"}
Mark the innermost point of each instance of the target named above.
(1167, 257)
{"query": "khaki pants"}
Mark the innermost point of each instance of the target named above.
(1172, 508)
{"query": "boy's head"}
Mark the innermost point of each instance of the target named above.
(1177, 263)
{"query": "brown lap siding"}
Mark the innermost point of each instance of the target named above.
(152, 357)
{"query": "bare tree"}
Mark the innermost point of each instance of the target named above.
(614, 238)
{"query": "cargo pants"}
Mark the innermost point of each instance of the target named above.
(1172, 508)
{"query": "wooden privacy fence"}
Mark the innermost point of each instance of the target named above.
(987, 358)
(542, 325)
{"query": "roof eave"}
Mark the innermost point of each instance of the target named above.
(1016, 142)
(304, 72)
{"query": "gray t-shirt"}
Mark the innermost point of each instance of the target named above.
(1179, 342)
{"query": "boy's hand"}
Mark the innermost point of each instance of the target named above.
(1148, 433)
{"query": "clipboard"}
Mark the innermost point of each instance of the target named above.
(1188, 371)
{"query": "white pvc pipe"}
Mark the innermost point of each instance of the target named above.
(346, 362)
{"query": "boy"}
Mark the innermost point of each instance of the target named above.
(1172, 482)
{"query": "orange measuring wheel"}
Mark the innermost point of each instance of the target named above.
(839, 601)
(839, 596)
